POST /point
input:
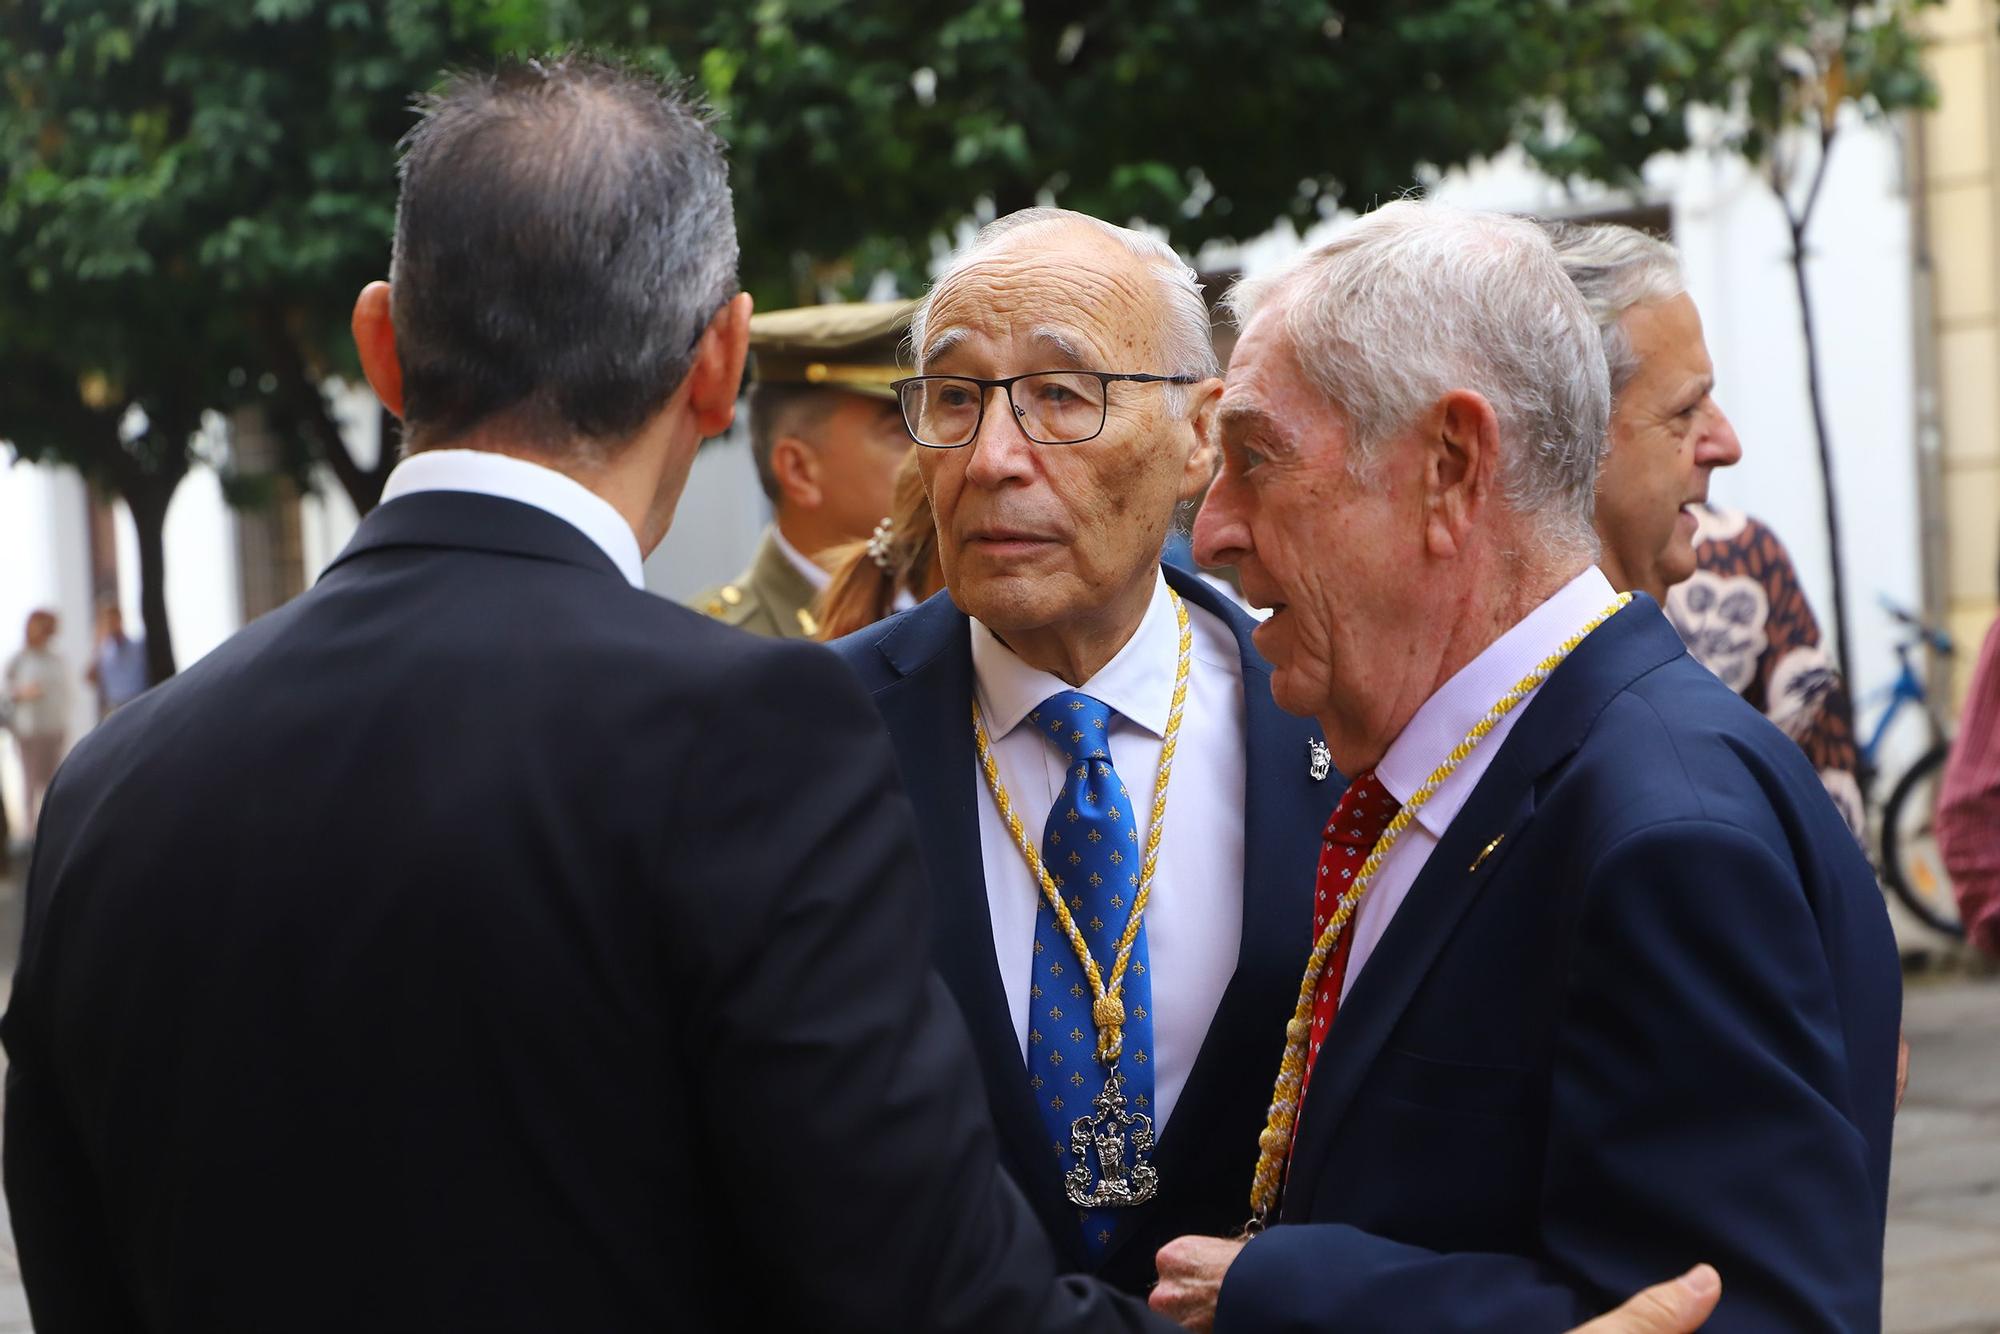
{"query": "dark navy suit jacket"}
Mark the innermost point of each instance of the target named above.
(918, 666)
(480, 943)
(1656, 1025)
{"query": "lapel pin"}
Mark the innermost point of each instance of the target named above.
(1483, 854)
(1319, 759)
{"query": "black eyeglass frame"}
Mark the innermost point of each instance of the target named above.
(986, 388)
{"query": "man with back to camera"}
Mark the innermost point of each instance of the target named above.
(401, 1006)
(519, 951)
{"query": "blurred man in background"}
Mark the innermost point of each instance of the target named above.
(118, 668)
(1723, 578)
(826, 438)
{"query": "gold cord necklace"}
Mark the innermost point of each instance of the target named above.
(1108, 1005)
(1274, 1145)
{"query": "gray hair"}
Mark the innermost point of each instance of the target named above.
(564, 234)
(1186, 333)
(1617, 268)
(1417, 299)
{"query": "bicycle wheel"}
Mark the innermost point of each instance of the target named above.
(1911, 866)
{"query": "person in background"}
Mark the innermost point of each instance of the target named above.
(1968, 813)
(1724, 579)
(1745, 616)
(38, 686)
(118, 669)
(827, 439)
(894, 570)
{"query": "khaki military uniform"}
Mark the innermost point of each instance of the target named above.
(849, 347)
(770, 598)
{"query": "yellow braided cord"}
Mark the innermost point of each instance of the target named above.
(1274, 1145)
(1110, 1036)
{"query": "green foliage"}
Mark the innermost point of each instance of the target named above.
(1767, 70)
(194, 190)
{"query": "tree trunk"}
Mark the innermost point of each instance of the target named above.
(1842, 658)
(147, 498)
(362, 485)
(305, 409)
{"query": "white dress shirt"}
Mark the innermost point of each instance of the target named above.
(1194, 919)
(1440, 725)
(808, 569)
(485, 473)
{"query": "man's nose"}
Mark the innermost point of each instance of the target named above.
(1221, 537)
(1718, 447)
(1000, 451)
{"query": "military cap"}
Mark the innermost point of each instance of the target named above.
(850, 346)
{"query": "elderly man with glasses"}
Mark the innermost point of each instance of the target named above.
(1119, 825)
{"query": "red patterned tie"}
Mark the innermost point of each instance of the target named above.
(1364, 811)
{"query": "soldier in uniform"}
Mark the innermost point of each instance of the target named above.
(827, 438)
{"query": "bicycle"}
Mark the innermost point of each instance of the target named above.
(1907, 852)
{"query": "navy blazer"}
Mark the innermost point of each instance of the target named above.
(478, 942)
(1655, 1025)
(918, 666)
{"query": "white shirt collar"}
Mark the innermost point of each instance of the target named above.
(1137, 684)
(486, 473)
(1444, 719)
(804, 564)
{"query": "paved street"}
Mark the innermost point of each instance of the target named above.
(1944, 1184)
(1944, 1194)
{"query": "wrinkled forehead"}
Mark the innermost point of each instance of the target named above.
(1057, 296)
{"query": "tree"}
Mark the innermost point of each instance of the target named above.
(861, 135)
(1774, 76)
(193, 192)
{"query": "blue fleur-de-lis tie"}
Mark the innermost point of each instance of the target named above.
(1091, 848)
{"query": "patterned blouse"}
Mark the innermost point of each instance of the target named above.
(1745, 618)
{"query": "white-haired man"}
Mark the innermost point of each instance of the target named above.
(1066, 388)
(1724, 579)
(1600, 984)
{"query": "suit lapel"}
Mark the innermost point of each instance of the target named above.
(929, 713)
(1283, 811)
(1630, 644)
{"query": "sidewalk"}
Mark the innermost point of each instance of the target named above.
(1944, 1182)
(1943, 1249)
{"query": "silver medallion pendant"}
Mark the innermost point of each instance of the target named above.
(1319, 760)
(1108, 1137)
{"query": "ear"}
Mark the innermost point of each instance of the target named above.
(796, 466)
(1207, 451)
(1461, 459)
(716, 376)
(375, 339)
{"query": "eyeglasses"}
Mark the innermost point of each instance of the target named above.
(1052, 407)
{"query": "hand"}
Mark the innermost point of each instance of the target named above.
(1191, 1270)
(1902, 1068)
(27, 693)
(1677, 1306)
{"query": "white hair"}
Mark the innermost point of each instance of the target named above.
(1417, 299)
(1185, 331)
(1617, 268)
